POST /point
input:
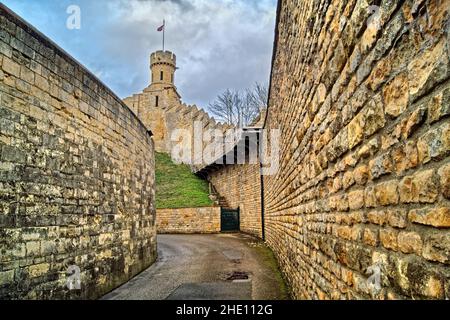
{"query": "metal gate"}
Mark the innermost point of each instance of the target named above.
(229, 219)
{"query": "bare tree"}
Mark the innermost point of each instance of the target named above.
(239, 108)
(226, 107)
(257, 96)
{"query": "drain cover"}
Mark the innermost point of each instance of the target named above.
(238, 275)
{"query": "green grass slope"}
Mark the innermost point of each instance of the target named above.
(177, 186)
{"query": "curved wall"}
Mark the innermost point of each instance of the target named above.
(76, 174)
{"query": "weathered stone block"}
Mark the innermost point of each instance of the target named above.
(437, 247)
(404, 157)
(409, 242)
(433, 287)
(33, 248)
(388, 238)
(6, 277)
(41, 83)
(356, 199)
(439, 106)
(396, 95)
(48, 247)
(11, 67)
(370, 199)
(38, 270)
(361, 174)
(380, 166)
(374, 116)
(415, 279)
(26, 74)
(377, 217)
(355, 130)
(344, 232)
(369, 149)
(386, 193)
(413, 122)
(396, 218)
(422, 187)
(370, 237)
(13, 154)
(427, 69)
(436, 217)
(444, 177)
(434, 144)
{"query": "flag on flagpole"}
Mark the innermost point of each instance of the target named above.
(163, 29)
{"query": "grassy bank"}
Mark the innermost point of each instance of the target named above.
(177, 186)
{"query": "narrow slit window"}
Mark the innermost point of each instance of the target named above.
(162, 76)
(171, 77)
(157, 101)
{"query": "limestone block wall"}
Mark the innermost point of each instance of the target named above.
(189, 220)
(76, 174)
(240, 185)
(154, 118)
(361, 96)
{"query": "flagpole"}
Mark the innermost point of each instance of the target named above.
(164, 30)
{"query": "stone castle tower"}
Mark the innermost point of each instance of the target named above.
(162, 71)
(161, 109)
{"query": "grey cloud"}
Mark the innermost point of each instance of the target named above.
(219, 43)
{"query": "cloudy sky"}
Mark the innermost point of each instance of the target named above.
(219, 43)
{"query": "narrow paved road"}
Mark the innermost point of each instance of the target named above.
(220, 266)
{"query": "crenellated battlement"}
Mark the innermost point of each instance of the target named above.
(163, 57)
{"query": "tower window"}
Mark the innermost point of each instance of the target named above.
(171, 77)
(157, 101)
(162, 76)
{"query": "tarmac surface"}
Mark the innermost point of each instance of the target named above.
(197, 267)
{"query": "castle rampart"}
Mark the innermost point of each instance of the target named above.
(76, 175)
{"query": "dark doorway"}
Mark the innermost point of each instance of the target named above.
(229, 220)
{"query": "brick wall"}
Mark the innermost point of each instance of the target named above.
(76, 174)
(189, 220)
(365, 168)
(240, 185)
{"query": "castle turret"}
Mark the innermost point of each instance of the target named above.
(162, 68)
(162, 90)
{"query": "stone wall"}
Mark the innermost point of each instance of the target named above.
(240, 185)
(188, 220)
(362, 102)
(76, 174)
